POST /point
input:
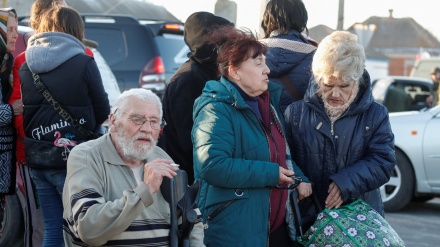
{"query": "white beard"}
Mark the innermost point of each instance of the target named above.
(130, 150)
(335, 112)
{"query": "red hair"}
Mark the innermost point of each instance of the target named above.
(235, 46)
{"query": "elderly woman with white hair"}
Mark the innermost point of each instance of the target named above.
(339, 136)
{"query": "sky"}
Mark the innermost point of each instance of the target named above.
(424, 12)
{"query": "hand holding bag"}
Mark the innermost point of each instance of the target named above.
(355, 224)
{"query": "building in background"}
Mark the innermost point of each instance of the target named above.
(392, 45)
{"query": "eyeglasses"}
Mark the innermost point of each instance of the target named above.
(154, 123)
(296, 182)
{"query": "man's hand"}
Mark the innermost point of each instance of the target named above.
(334, 198)
(304, 190)
(285, 176)
(17, 107)
(156, 170)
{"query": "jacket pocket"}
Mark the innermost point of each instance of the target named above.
(217, 195)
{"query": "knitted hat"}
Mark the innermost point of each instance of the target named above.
(4, 15)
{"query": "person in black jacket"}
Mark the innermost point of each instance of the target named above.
(57, 55)
(339, 136)
(186, 85)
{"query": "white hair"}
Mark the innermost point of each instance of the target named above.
(142, 94)
(339, 55)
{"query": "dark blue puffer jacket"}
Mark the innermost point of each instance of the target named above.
(359, 157)
(290, 55)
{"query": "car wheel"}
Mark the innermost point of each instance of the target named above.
(399, 191)
(11, 221)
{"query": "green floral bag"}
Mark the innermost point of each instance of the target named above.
(356, 224)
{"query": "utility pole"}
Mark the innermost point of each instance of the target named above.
(226, 9)
(263, 4)
(340, 25)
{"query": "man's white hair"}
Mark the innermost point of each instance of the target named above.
(142, 94)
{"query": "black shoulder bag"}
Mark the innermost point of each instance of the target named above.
(87, 134)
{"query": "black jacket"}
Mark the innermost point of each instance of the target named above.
(78, 91)
(186, 86)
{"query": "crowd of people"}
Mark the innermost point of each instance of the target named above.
(250, 120)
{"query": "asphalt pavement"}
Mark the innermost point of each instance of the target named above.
(418, 224)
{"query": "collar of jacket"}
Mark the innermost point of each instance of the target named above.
(276, 33)
(223, 90)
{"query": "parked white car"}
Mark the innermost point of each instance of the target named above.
(108, 78)
(417, 145)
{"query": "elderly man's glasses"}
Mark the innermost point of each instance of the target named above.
(296, 182)
(154, 123)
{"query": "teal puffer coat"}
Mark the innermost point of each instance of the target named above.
(231, 158)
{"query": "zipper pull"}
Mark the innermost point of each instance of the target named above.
(205, 226)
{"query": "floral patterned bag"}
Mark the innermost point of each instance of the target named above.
(356, 224)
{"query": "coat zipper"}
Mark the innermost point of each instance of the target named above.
(215, 212)
(268, 144)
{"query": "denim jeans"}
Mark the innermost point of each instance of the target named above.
(49, 184)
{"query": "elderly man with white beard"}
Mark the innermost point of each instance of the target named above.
(112, 191)
(339, 136)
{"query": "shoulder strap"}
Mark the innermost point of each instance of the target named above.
(87, 134)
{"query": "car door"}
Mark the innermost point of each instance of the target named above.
(431, 151)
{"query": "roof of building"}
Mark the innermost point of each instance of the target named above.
(398, 33)
(319, 32)
(387, 34)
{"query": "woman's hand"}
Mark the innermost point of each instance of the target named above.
(334, 198)
(304, 190)
(285, 176)
(17, 107)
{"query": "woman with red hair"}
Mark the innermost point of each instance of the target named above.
(240, 152)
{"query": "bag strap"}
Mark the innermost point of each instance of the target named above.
(296, 212)
(289, 87)
(87, 134)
